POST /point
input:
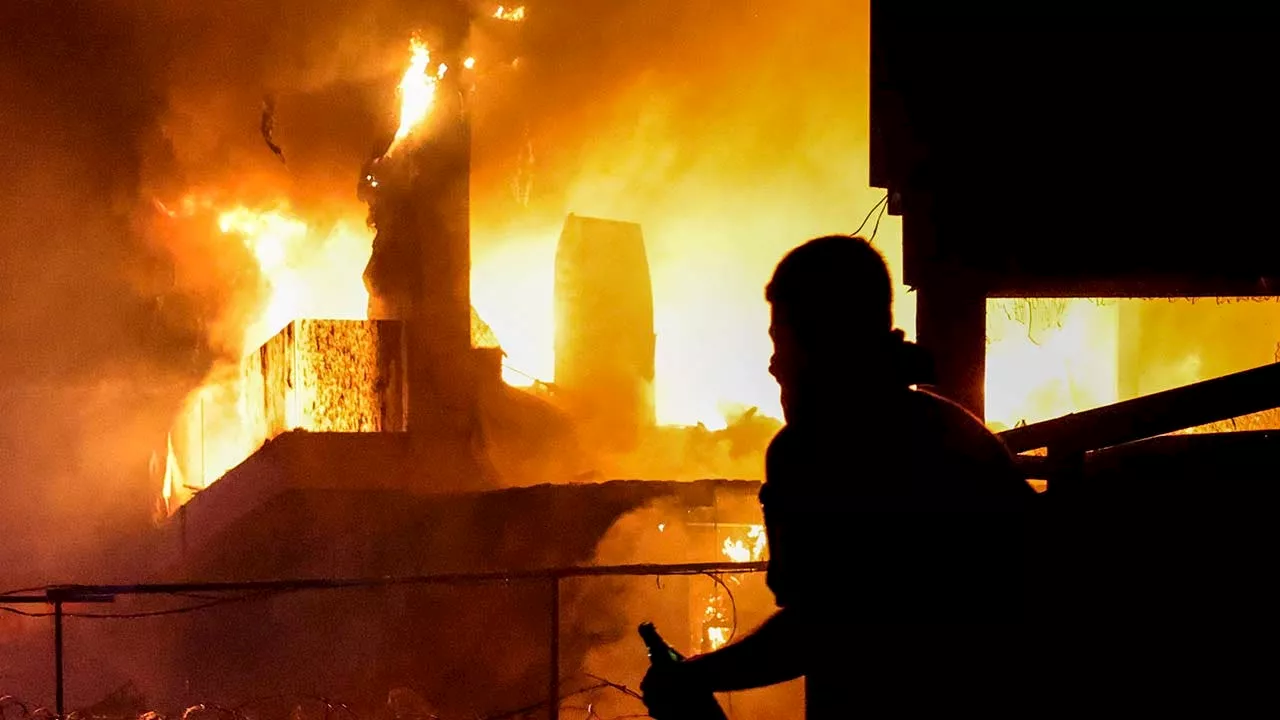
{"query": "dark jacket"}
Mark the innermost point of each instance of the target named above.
(890, 518)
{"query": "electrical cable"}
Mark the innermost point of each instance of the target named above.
(23, 613)
(876, 229)
(882, 201)
(19, 591)
(524, 374)
(733, 605)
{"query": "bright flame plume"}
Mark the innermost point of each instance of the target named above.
(417, 91)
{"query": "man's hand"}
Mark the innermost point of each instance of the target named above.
(666, 690)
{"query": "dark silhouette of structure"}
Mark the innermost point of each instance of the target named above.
(420, 272)
(1061, 152)
(604, 329)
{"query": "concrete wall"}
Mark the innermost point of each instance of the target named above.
(315, 375)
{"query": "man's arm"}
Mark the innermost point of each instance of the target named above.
(773, 654)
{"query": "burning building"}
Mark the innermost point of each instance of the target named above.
(373, 443)
(379, 447)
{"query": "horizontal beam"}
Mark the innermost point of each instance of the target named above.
(95, 593)
(1160, 413)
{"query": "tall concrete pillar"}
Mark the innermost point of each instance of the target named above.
(420, 273)
(604, 340)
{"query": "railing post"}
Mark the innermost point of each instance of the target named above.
(58, 703)
(553, 681)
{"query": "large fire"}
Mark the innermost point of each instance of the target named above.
(1049, 358)
(712, 348)
(308, 270)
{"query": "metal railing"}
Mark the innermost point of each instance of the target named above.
(58, 597)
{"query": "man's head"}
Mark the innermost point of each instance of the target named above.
(831, 299)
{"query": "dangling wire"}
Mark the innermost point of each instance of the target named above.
(876, 229)
(881, 201)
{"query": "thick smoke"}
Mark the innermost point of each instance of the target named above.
(730, 131)
(113, 110)
(677, 114)
(119, 108)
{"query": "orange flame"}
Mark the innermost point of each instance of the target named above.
(417, 91)
(717, 616)
(515, 14)
(172, 475)
(308, 273)
(737, 550)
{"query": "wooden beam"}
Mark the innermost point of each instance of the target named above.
(1160, 413)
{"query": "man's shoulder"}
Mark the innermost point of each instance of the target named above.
(783, 445)
(929, 398)
(959, 429)
(951, 415)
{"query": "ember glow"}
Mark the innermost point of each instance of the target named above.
(745, 545)
(748, 549)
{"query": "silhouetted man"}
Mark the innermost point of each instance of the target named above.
(893, 516)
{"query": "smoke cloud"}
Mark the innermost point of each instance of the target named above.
(689, 117)
(113, 109)
(730, 132)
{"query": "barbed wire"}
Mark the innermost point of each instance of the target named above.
(332, 707)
